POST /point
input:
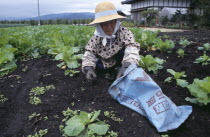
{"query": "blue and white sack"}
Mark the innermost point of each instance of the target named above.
(137, 91)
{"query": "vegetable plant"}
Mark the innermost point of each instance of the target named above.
(205, 60)
(69, 113)
(2, 98)
(41, 133)
(35, 92)
(150, 63)
(200, 89)
(180, 52)
(177, 76)
(146, 38)
(164, 46)
(111, 114)
(33, 115)
(71, 73)
(7, 59)
(184, 43)
(85, 123)
(206, 47)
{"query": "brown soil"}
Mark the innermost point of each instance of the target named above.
(16, 86)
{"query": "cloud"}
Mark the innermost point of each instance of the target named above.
(23, 8)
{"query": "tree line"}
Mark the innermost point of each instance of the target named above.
(48, 22)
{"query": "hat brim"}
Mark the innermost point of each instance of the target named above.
(106, 18)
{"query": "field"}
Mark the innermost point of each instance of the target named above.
(76, 93)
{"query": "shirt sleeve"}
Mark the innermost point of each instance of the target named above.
(89, 57)
(132, 48)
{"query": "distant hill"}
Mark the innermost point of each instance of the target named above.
(81, 15)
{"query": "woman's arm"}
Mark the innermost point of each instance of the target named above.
(132, 48)
(89, 58)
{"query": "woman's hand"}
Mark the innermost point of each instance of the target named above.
(122, 69)
(90, 73)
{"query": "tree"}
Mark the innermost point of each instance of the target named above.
(203, 5)
(164, 20)
(178, 17)
(150, 15)
(33, 22)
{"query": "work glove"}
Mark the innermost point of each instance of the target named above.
(90, 73)
(122, 69)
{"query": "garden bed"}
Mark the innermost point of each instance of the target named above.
(77, 94)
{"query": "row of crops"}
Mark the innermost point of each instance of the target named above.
(66, 45)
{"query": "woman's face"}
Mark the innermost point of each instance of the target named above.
(108, 27)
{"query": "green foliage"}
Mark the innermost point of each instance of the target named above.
(205, 60)
(150, 15)
(164, 46)
(178, 17)
(41, 133)
(127, 24)
(35, 92)
(111, 114)
(71, 72)
(203, 5)
(205, 47)
(62, 42)
(7, 59)
(33, 115)
(184, 43)
(150, 63)
(2, 98)
(69, 113)
(192, 19)
(146, 38)
(177, 76)
(180, 52)
(85, 123)
(200, 89)
(164, 20)
(13, 25)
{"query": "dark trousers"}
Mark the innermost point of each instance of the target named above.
(118, 57)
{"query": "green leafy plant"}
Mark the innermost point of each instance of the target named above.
(206, 47)
(45, 118)
(150, 63)
(200, 89)
(205, 60)
(71, 72)
(164, 46)
(177, 76)
(65, 53)
(146, 38)
(111, 114)
(84, 124)
(2, 98)
(69, 113)
(180, 52)
(35, 92)
(33, 115)
(7, 59)
(184, 43)
(41, 133)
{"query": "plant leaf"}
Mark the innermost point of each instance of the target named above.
(182, 83)
(100, 128)
(74, 126)
(95, 116)
(168, 79)
(84, 117)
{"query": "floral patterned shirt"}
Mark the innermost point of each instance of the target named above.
(123, 39)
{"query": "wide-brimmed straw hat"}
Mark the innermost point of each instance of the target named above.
(105, 11)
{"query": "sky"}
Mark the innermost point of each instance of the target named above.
(28, 8)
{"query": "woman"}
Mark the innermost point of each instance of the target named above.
(111, 46)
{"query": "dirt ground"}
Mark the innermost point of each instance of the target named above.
(16, 86)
